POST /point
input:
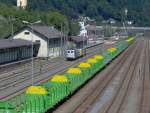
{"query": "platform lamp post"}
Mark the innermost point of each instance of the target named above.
(83, 41)
(31, 24)
(124, 25)
(126, 16)
(12, 19)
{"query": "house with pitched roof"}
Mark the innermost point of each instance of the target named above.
(50, 39)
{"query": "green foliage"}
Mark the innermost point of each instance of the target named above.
(108, 31)
(56, 19)
(51, 11)
(14, 16)
(138, 9)
(5, 29)
(74, 28)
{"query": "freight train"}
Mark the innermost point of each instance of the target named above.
(39, 99)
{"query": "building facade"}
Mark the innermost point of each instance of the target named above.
(22, 3)
(49, 38)
(78, 42)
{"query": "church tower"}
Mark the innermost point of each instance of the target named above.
(22, 3)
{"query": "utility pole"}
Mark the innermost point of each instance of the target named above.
(61, 44)
(126, 14)
(32, 39)
(103, 35)
(65, 39)
(11, 20)
(95, 35)
(48, 48)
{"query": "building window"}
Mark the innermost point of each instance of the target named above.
(26, 33)
(37, 41)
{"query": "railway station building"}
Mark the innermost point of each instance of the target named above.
(16, 50)
(78, 41)
(50, 39)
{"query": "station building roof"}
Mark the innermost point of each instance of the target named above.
(77, 39)
(13, 43)
(47, 32)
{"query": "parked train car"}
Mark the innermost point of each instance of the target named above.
(72, 54)
(39, 99)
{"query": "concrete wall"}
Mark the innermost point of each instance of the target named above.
(55, 47)
(43, 43)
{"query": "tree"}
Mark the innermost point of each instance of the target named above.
(108, 31)
(74, 28)
(56, 19)
(53, 18)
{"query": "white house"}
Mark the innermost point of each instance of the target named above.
(50, 39)
(22, 3)
(83, 31)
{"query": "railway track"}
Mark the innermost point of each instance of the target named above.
(15, 78)
(99, 83)
(21, 67)
(27, 70)
(123, 89)
(144, 106)
(12, 67)
(131, 101)
(115, 74)
(137, 97)
(116, 102)
(24, 67)
(15, 67)
(14, 85)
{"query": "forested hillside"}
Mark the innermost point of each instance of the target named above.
(57, 12)
(138, 10)
(11, 19)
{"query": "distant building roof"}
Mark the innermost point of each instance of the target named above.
(123, 33)
(94, 27)
(92, 36)
(12, 43)
(47, 31)
(43, 31)
(78, 38)
(111, 21)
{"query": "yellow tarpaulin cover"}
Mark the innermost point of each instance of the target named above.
(36, 90)
(111, 50)
(91, 60)
(130, 39)
(59, 78)
(84, 65)
(74, 71)
(98, 57)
